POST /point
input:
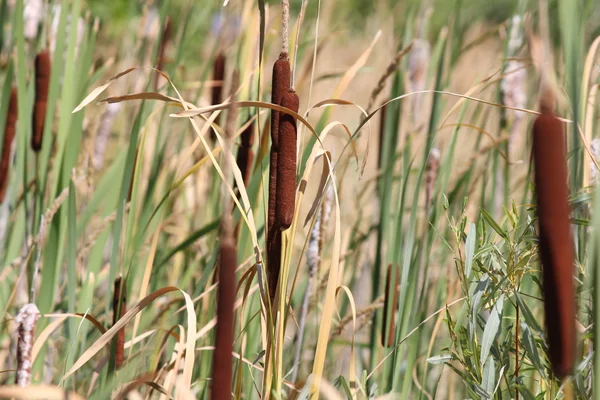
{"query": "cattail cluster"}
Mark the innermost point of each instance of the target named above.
(431, 173)
(32, 16)
(42, 85)
(27, 319)
(119, 309)
(418, 63)
(555, 242)
(389, 306)
(9, 135)
(245, 155)
(280, 86)
(218, 80)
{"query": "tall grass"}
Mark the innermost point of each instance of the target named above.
(307, 242)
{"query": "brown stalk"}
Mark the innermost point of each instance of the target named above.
(390, 332)
(119, 309)
(9, 135)
(222, 365)
(286, 162)
(42, 84)
(555, 242)
(280, 85)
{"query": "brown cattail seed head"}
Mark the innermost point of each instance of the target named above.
(222, 367)
(27, 319)
(9, 135)
(280, 85)
(42, 84)
(390, 299)
(160, 59)
(433, 165)
(555, 242)
(286, 162)
(119, 298)
(218, 79)
(245, 156)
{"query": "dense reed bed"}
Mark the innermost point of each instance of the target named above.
(312, 200)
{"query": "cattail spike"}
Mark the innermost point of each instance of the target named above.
(27, 319)
(218, 80)
(555, 242)
(119, 309)
(286, 162)
(42, 84)
(9, 135)
(280, 85)
(160, 59)
(245, 155)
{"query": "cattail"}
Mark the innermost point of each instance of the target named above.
(218, 80)
(32, 15)
(555, 242)
(390, 332)
(104, 131)
(222, 366)
(280, 86)
(431, 172)
(9, 135)
(245, 155)
(42, 84)
(286, 162)
(119, 309)
(164, 41)
(27, 319)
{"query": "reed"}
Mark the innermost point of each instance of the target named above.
(389, 307)
(27, 320)
(286, 162)
(42, 84)
(9, 135)
(555, 242)
(280, 86)
(119, 309)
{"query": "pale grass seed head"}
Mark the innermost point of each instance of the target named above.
(27, 319)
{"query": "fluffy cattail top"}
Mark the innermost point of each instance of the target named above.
(555, 242)
(32, 15)
(9, 135)
(42, 84)
(27, 319)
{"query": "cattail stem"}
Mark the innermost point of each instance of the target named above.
(280, 86)
(555, 242)
(119, 309)
(27, 319)
(286, 162)
(42, 84)
(9, 135)
(285, 21)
